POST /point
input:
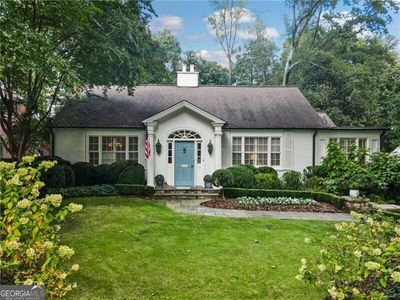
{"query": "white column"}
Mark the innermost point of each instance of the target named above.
(218, 145)
(151, 161)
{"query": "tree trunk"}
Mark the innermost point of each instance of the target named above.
(288, 66)
(230, 67)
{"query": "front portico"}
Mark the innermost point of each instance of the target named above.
(190, 140)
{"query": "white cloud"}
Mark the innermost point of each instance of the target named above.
(197, 37)
(269, 33)
(172, 23)
(216, 55)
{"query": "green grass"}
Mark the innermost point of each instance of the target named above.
(132, 249)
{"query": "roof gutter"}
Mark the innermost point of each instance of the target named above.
(313, 147)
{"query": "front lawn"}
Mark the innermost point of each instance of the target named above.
(130, 249)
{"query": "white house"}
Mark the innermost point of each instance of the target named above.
(198, 129)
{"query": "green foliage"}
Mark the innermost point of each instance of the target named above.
(54, 177)
(243, 176)
(30, 250)
(69, 175)
(116, 168)
(207, 178)
(101, 174)
(336, 201)
(267, 170)
(275, 201)
(159, 179)
(132, 175)
(210, 72)
(86, 191)
(291, 180)
(360, 261)
(222, 177)
(267, 181)
(83, 173)
(51, 50)
(135, 189)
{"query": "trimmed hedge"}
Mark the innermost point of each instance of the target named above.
(243, 176)
(83, 173)
(336, 201)
(132, 175)
(54, 177)
(267, 170)
(85, 191)
(69, 175)
(135, 189)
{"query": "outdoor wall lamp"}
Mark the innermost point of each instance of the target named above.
(210, 147)
(158, 147)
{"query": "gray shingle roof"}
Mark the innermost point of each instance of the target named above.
(240, 107)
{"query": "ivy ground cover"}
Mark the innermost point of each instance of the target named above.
(136, 249)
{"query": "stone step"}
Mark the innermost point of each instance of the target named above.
(185, 197)
(186, 191)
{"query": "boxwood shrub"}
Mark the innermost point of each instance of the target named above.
(85, 191)
(132, 175)
(267, 170)
(291, 180)
(243, 176)
(54, 177)
(116, 168)
(69, 175)
(83, 173)
(336, 201)
(135, 189)
(267, 181)
(222, 177)
(101, 174)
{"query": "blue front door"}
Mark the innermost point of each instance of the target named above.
(184, 164)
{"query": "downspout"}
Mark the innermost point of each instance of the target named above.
(380, 140)
(313, 148)
(52, 141)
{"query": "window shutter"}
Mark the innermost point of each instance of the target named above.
(288, 148)
(322, 150)
(80, 145)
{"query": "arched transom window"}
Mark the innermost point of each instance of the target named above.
(184, 134)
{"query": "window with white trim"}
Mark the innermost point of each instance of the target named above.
(170, 152)
(275, 151)
(94, 150)
(345, 144)
(236, 151)
(362, 143)
(199, 153)
(258, 151)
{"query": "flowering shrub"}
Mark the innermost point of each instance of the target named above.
(360, 261)
(29, 248)
(275, 201)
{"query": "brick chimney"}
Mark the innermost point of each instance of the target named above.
(187, 78)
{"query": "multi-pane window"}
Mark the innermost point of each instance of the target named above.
(275, 151)
(133, 149)
(345, 144)
(170, 152)
(113, 149)
(362, 143)
(199, 153)
(94, 150)
(236, 151)
(256, 151)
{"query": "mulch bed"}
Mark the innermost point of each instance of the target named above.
(232, 204)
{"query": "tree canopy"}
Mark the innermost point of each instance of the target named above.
(52, 50)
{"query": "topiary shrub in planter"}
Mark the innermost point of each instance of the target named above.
(83, 173)
(159, 180)
(267, 170)
(222, 177)
(134, 174)
(243, 177)
(267, 181)
(207, 181)
(54, 177)
(291, 180)
(359, 261)
(69, 175)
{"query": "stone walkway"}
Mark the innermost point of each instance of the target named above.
(194, 207)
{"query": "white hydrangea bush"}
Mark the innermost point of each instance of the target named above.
(361, 260)
(30, 250)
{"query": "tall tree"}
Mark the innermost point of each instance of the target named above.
(50, 50)
(210, 72)
(255, 64)
(225, 22)
(306, 16)
(169, 53)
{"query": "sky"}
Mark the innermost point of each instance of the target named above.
(187, 20)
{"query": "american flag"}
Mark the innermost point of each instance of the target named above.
(147, 146)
